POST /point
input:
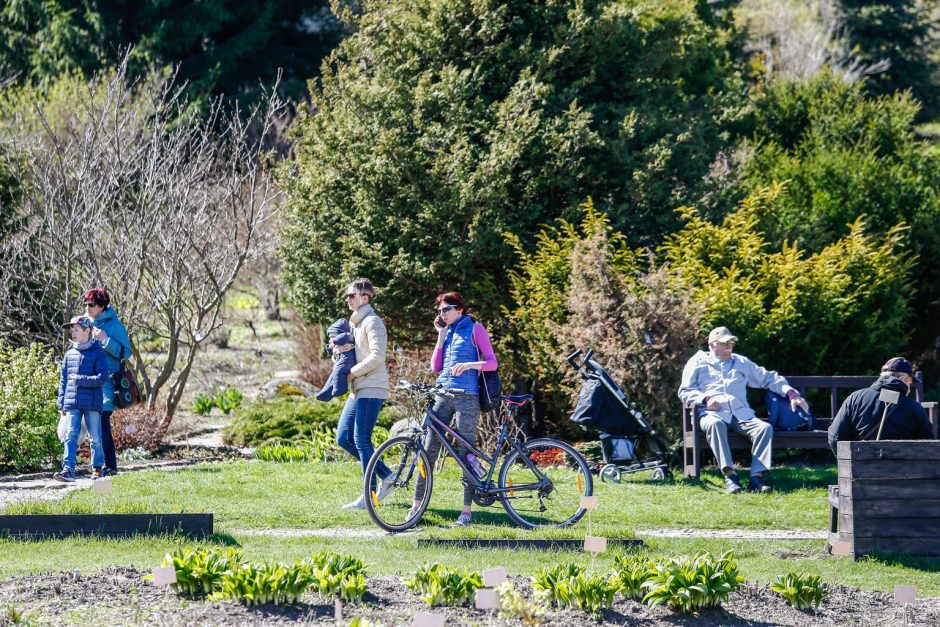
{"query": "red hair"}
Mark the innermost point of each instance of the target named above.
(97, 296)
(451, 298)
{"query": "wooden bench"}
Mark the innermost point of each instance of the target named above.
(694, 444)
(887, 500)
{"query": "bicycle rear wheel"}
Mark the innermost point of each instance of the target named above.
(408, 464)
(557, 503)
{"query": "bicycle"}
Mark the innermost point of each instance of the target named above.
(540, 482)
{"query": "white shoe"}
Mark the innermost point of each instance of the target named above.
(386, 487)
(359, 503)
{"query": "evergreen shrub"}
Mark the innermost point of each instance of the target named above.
(287, 418)
(29, 380)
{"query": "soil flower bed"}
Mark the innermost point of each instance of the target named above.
(119, 595)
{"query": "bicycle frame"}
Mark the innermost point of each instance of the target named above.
(435, 425)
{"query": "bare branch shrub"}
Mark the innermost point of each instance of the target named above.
(641, 327)
(138, 427)
(311, 359)
(128, 188)
(797, 39)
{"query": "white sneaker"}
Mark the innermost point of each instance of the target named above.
(359, 503)
(386, 487)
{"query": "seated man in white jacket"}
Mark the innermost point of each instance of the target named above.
(717, 381)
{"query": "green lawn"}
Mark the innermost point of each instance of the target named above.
(256, 496)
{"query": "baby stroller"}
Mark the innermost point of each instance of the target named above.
(624, 433)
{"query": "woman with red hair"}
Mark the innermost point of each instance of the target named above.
(463, 349)
(111, 334)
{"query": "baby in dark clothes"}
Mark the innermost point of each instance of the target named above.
(338, 383)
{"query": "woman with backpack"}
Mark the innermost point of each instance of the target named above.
(462, 351)
(110, 333)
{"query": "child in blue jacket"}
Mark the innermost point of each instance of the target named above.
(84, 371)
(338, 383)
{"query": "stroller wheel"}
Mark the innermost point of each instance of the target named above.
(658, 474)
(610, 474)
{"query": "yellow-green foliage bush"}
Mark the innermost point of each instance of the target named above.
(844, 309)
(583, 287)
(289, 418)
(29, 379)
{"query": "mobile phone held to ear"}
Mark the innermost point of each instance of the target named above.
(439, 323)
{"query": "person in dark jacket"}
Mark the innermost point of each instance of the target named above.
(340, 334)
(110, 333)
(84, 371)
(859, 418)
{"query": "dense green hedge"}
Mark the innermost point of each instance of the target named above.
(28, 416)
(289, 418)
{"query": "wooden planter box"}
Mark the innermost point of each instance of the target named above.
(888, 498)
(108, 525)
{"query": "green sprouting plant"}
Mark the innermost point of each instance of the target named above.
(567, 585)
(439, 585)
(693, 584)
(13, 615)
(256, 583)
(553, 581)
(203, 404)
(199, 571)
(512, 605)
(228, 398)
(593, 593)
(802, 591)
(632, 571)
(337, 575)
(297, 451)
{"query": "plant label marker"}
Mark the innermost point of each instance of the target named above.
(102, 486)
(428, 619)
(494, 576)
(889, 396)
(131, 429)
(904, 594)
(841, 548)
(595, 544)
(164, 576)
(338, 611)
(487, 599)
(589, 502)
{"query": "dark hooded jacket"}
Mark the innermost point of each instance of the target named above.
(860, 416)
(338, 383)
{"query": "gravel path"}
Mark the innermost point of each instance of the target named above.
(735, 534)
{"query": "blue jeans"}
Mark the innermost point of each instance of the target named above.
(354, 431)
(93, 424)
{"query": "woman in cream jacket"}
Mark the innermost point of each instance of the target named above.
(368, 384)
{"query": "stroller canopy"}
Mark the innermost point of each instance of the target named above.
(598, 408)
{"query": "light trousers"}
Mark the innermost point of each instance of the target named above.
(758, 431)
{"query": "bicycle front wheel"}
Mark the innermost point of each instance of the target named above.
(390, 506)
(550, 478)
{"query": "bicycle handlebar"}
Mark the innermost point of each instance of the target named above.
(428, 390)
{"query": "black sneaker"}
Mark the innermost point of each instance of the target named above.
(756, 484)
(732, 483)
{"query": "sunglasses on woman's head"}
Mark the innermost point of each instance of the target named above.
(443, 310)
(348, 296)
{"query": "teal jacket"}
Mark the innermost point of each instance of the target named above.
(117, 349)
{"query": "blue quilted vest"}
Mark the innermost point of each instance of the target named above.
(459, 347)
